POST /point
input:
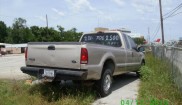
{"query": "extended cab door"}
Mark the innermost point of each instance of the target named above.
(133, 61)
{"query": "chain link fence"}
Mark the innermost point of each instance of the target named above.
(174, 56)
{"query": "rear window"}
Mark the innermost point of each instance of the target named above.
(109, 39)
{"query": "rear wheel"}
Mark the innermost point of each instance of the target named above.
(104, 85)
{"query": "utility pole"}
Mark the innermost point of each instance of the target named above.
(161, 18)
(47, 24)
(46, 21)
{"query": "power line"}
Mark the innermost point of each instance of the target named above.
(156, 31)
(173, 11)
(176, 14)
(172, 15)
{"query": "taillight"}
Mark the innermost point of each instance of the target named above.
(84, 56)
(26, 53)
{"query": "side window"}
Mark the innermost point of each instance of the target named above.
(132, 43)
(126, 41)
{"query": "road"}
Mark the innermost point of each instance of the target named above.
(10, 67)
(125, 87)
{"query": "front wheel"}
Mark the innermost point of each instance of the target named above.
(105, 83)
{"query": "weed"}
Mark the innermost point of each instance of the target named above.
(157, 82)
(145, 73)
(18, 93)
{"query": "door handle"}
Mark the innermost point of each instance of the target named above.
(51, 47)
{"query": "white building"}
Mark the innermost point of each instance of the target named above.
(13, 48)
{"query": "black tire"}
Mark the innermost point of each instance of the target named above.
(138, 74)
(104, 85)
(77, 82)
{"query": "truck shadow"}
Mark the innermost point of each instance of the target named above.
(123, 80)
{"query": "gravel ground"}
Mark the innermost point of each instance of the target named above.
(10, 66)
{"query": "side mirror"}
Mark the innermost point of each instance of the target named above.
(141, 49)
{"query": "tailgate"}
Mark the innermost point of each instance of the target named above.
(58, 55)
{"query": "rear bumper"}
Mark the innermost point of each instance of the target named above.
(60, 74)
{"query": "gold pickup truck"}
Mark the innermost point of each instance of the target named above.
(98, 56)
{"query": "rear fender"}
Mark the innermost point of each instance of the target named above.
(106, 57)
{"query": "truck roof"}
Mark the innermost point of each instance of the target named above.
(105, 31)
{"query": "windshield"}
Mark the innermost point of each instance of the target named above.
(109, 39)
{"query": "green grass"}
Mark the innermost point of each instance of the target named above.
(157, 84)
(18, 93)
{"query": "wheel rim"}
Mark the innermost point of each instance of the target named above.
(107, 83)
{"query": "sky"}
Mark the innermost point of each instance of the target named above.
(139, 16)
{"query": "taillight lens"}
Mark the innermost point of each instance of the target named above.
(84, 56)
(26, 53)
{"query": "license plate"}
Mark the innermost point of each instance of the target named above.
(48, 73)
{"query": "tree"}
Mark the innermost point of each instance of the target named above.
(9, 38)
(53, 35)
(19, 23)
(61, 33)
(36, 33)
(72, 35)
(20, 32)
(27, 35)
(3, 31)
(60, 28)
(139, 41)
